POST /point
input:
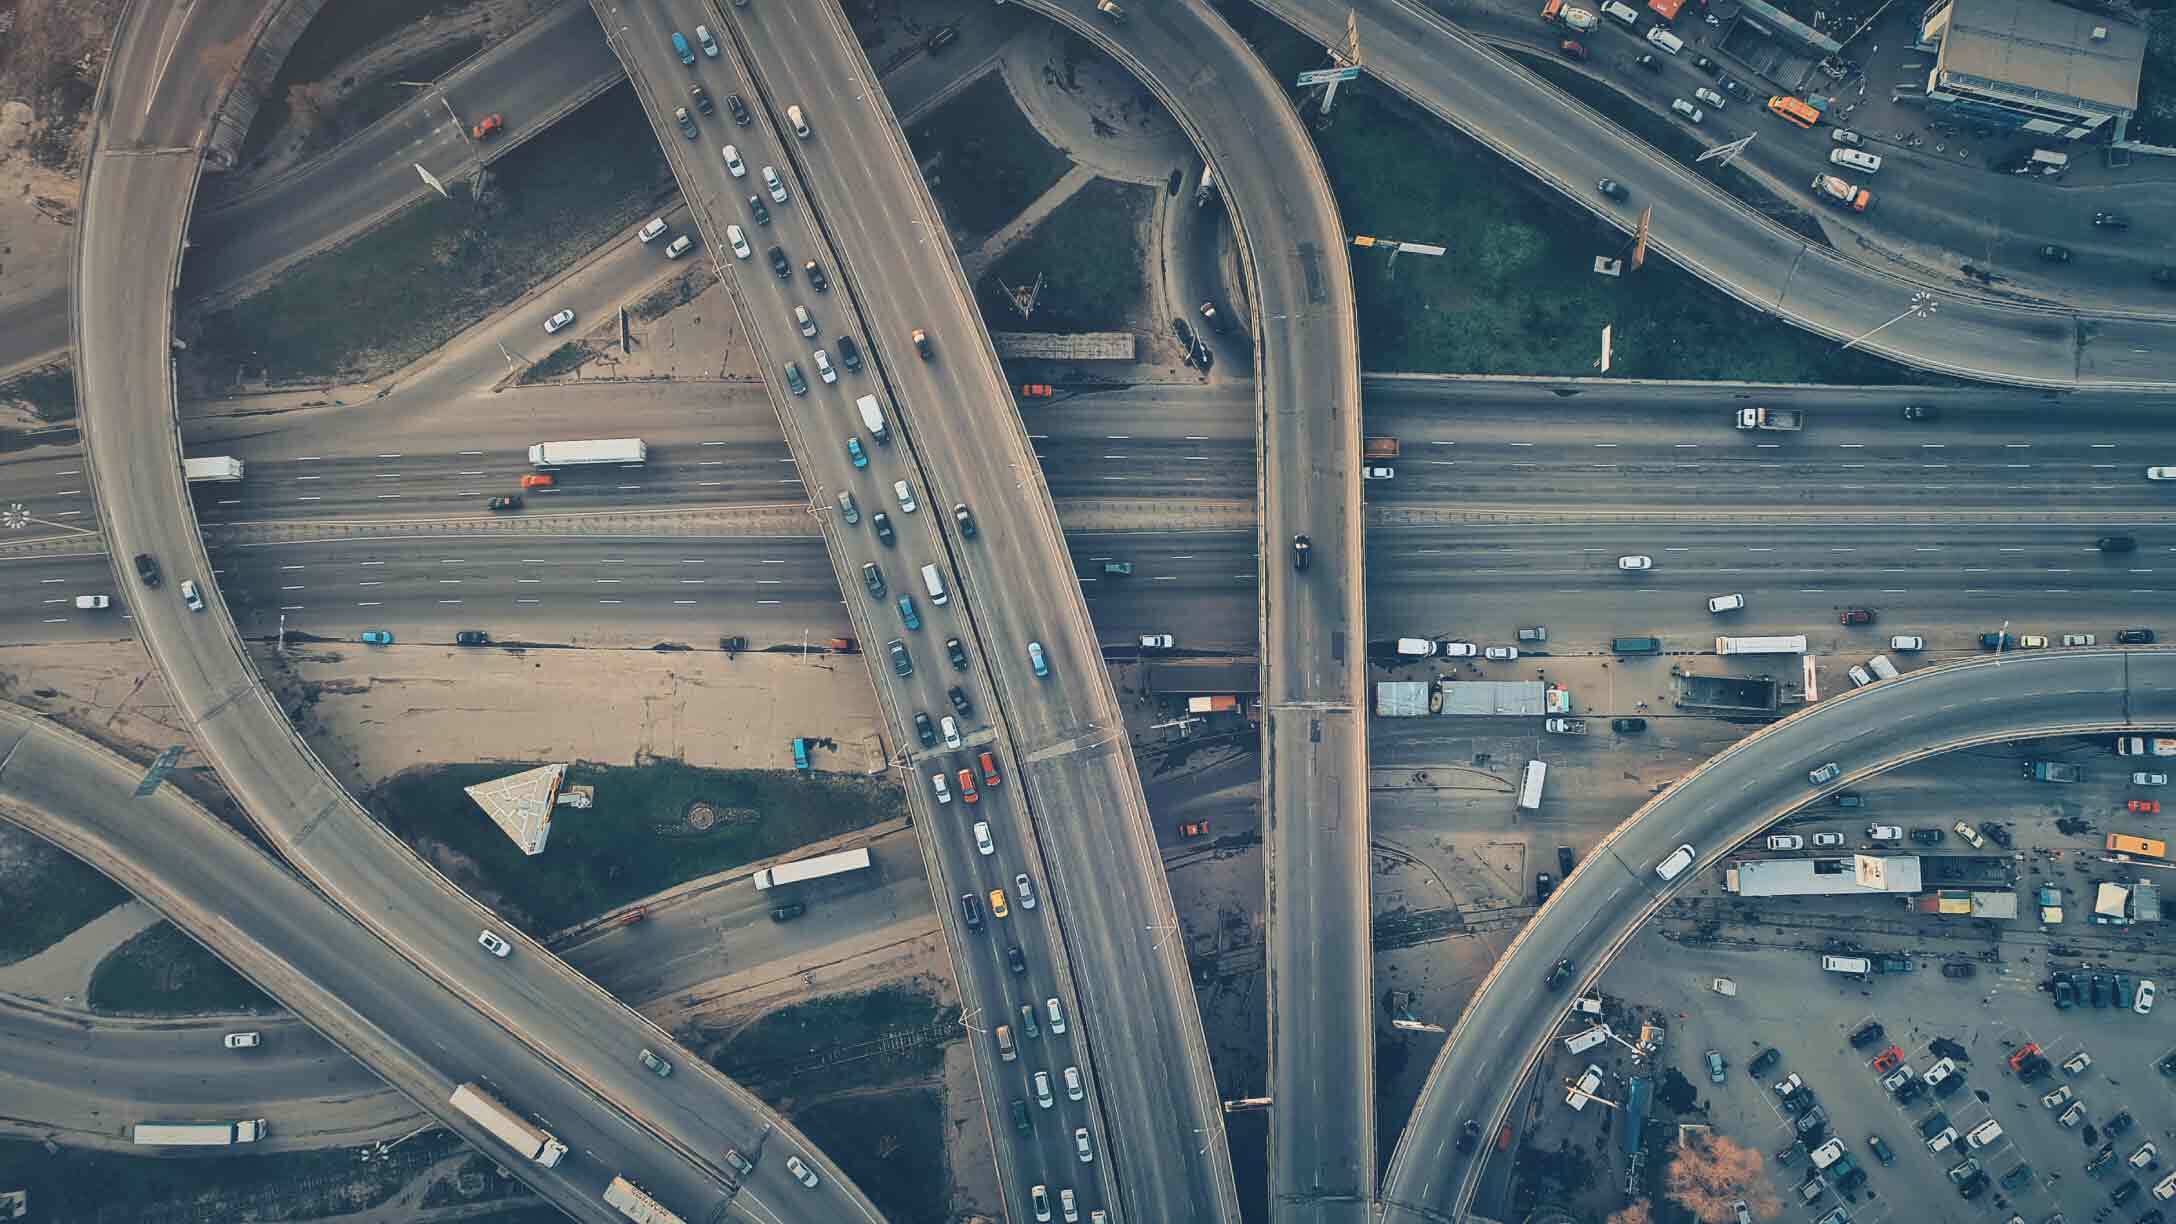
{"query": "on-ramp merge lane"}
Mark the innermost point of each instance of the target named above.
(1728, 799)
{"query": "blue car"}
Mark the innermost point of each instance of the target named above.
(854, 452)
(1036, 660)
(681, 48)
(907, 614)
(377, 637)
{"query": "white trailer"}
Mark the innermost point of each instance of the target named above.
(590, 450)
(812, 868)
(636, 1204)
(1791, 644)
(198, 1134)
(224, 469)
(508, 1127)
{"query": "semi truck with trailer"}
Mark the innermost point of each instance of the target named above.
(1791, 644)
(635, 1203)
(589, 450)
(223, 469)
(508, 1127)
(198, 1134)
(812, 868)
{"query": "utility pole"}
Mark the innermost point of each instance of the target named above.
(1922, 306)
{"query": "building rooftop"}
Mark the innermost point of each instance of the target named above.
(2036, 45)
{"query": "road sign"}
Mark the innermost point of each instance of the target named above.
(1327, 76)
(1639, 237)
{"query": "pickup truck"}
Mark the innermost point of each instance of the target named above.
(1782, 420)
(1565, 726)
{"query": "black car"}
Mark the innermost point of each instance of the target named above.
(1929, 836)
(2053, 253)
(971, 907)
(1301, 547)
(960, 704)
(2128, 637)
(700, 98)
(956, 652)
(849, 354)
(943, 37)
(1973, 1186)
(1704, 64)
(925, 730)
(1848, 799)
(779, 265)
(881, 523)
(1561, 974)
(873, 578)
(1867, 1034)
(1016, 958)
(816, 278)
(2124, 1193)
(1763, 1061)
(686, 121)
(147, 568)
(2119, 1124)
(1649, 63)
(1613, 189)
(788, 912)
(1628, 724)
(2109, 220)
(1469, 1135)
(1544, 884)
(901, 664)
(1996, 833)
(1736, 89)
(1564, 859)
(921, 344)
(2116, 544)
(758, 210)
(1997, 641)
(1811, 1123)
(738, 109)
(1921, 412)
(1910, 1090)
(510, 502)
(472, 637)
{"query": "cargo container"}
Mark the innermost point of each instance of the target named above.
(1791, 644)
(636, 1204)
(198, 1134)
(591, 450)
(507, 1126)
(219, 468)
(812, 868)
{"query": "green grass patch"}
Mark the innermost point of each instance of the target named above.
(400, 290)
(1088, 252)
(837, 1028)
(1517, 293)
(163, 972)
(46, 893)
(985, 163)
(2155, 122)
(94, 1187)
(48, 391)
(637, 840)
(892, 1145)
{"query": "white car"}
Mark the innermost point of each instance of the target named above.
(1073, 1089)
(1821, 840)
(733, 162)
(1786, 841)
(1039, 1197)
(557, 321)
(801, 1172)
(951, 728)
(2149, 779)
(1895, 1079)
(2073, 1115)
(1726, 603)
(1460, 650)
(1500, 654)
(493, 944)
(1939, 1072)
(1635, 563)
(983, 844)
(2161, 473)
(805, 320)
(1056, 1014)
(738, 241)
(776, 184)
(943, 789)
(1940, 1140)
(2077, 639)
(905, 493)
(1043, 1095)
(2145, 997)
(1080, 1144)
(1860, 677)
(94, 602)
(823, 366)
(652, 230)
(1885, 833)
(1025, 888)
(189, 595)
(1378, 473)
(1905, 643)
(1984, 1134)
(1692, 113)
(1156, 641)
(1709, 96)
(244, 1041)
(2077, 1063)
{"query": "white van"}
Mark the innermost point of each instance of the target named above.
(1882, 667)
(1855, 159)
(1577, 1097)
(933, 581)
(1580, 1043)
(1665, 40)
(1417, 648)
(872, 415)
(1675, 865)
(1536, 776)
(1622, 12)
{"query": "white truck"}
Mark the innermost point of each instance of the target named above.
(508, 1127)
(1781, 420)
(198, 1134)
(635, 1203)
(2141, 745)
(872, 416)
(589, 450)
(812, 868)
(1791, 644)
(221, 469)
(1565, 726)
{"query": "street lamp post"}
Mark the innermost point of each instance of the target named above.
(1922, 306)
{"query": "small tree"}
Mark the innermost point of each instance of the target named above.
(1710, 1173)
(1640, 1212)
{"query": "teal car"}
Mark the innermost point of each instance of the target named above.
(907, 614)
(681, 48)
(854, 452)
(377, 637)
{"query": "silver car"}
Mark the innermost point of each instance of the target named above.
(776, 184)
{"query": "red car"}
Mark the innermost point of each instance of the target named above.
(536, 480)
(2152, 806)
(1856, 616)
(990, 776)
(1886, 1061)
(2023, 1052)
(1572, 50)
(967, 786)
(488, 126)
(1194, 828)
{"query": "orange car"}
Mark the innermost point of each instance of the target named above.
(536, 480)
(967, 786)
(1886, 1061)
(990, 776)
(1194, 828)
(2023, 1052)
(488, 126)
(2145, 805)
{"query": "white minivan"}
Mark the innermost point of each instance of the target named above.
(933, 582)
(1665, 40)
(1854, 159)
(1622, 12)
(1675, 865)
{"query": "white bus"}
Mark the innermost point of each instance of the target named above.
(1530, 785)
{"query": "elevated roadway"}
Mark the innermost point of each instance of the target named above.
(152, 118)
(1602, 905)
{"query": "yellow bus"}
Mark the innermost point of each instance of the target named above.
(2124, 844)
(1787, 107)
